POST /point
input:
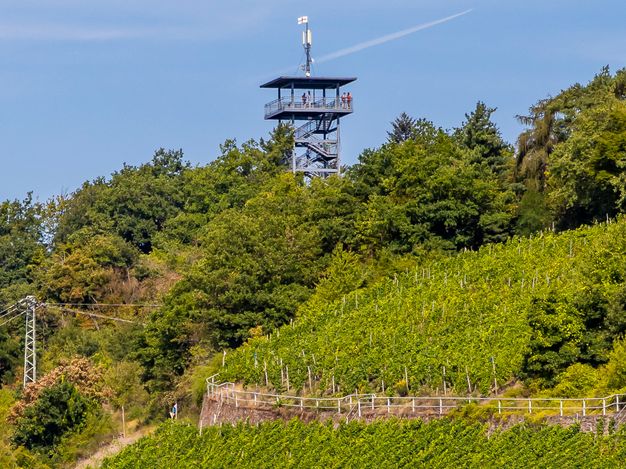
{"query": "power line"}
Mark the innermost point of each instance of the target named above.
(11, 319)
(9, 311)
(111, 305)
(6, 309)
(102, 316)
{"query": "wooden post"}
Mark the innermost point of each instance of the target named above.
(499, 406)
(265, 370)
(124, 423)
(440, 406)
(413, 405)
(495, 378)
(254, 399)
(530, 406)
(338, 406)
(388, 405)
(584, 408)
(224, 359)
(445, 389)
(406, 378)
(287, 376)
(302, 403)
(561, 408)
(236, 403)
(358, 403)
(373, 399)
(603, 406)
(310, 379)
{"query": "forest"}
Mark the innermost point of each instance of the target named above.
(441, 248)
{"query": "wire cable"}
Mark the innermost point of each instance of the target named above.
(111, 305)
(102, 316)
(11, 319)
(9, 312)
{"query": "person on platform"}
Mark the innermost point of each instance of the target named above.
(303, 99)
(349, 100)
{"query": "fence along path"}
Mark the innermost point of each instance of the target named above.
(357, 404)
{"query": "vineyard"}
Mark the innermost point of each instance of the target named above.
(390, 443)
(462, 324)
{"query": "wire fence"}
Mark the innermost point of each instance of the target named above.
(360, 404)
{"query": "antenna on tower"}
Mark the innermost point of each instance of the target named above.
(307, 41)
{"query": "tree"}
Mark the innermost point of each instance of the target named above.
(258, 263)
(587, 176)
(550, 123)
(135, 204)
(403, 128)
(60, 409)
(21, 246)
(428, 191)
(480, 135)
(88, 268)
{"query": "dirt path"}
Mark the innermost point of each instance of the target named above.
(112, 448)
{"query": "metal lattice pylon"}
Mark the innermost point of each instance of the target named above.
(30, 352)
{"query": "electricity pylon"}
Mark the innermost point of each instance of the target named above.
(30, 344)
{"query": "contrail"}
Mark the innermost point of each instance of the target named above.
(387, 38)
(376, 42)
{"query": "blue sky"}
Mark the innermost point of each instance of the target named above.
(88, 85)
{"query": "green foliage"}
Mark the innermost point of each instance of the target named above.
(557, 330)
(439, 443)
(587, 172)
(577, 380)
(59, 409)
(573, 151)
(124, 380)
(96, 430)
(526, 303)
(615, 369)
(258, 264)
(403, 128)
(429, 190)
(134, 204)
(21, 246)
(480, 135)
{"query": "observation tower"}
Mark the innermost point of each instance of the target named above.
(314, 107)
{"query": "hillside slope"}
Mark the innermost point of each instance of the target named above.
(442, 443)
(527, 308)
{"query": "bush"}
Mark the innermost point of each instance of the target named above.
(576, 381)
(615, 369)
(59, 410)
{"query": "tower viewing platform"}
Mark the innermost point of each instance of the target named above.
(320, 95)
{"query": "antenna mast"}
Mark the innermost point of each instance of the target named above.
(307, 42)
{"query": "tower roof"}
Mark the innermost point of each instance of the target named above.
(308, 83)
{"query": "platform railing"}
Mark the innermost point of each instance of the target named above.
(299, 105)
(358, 404)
